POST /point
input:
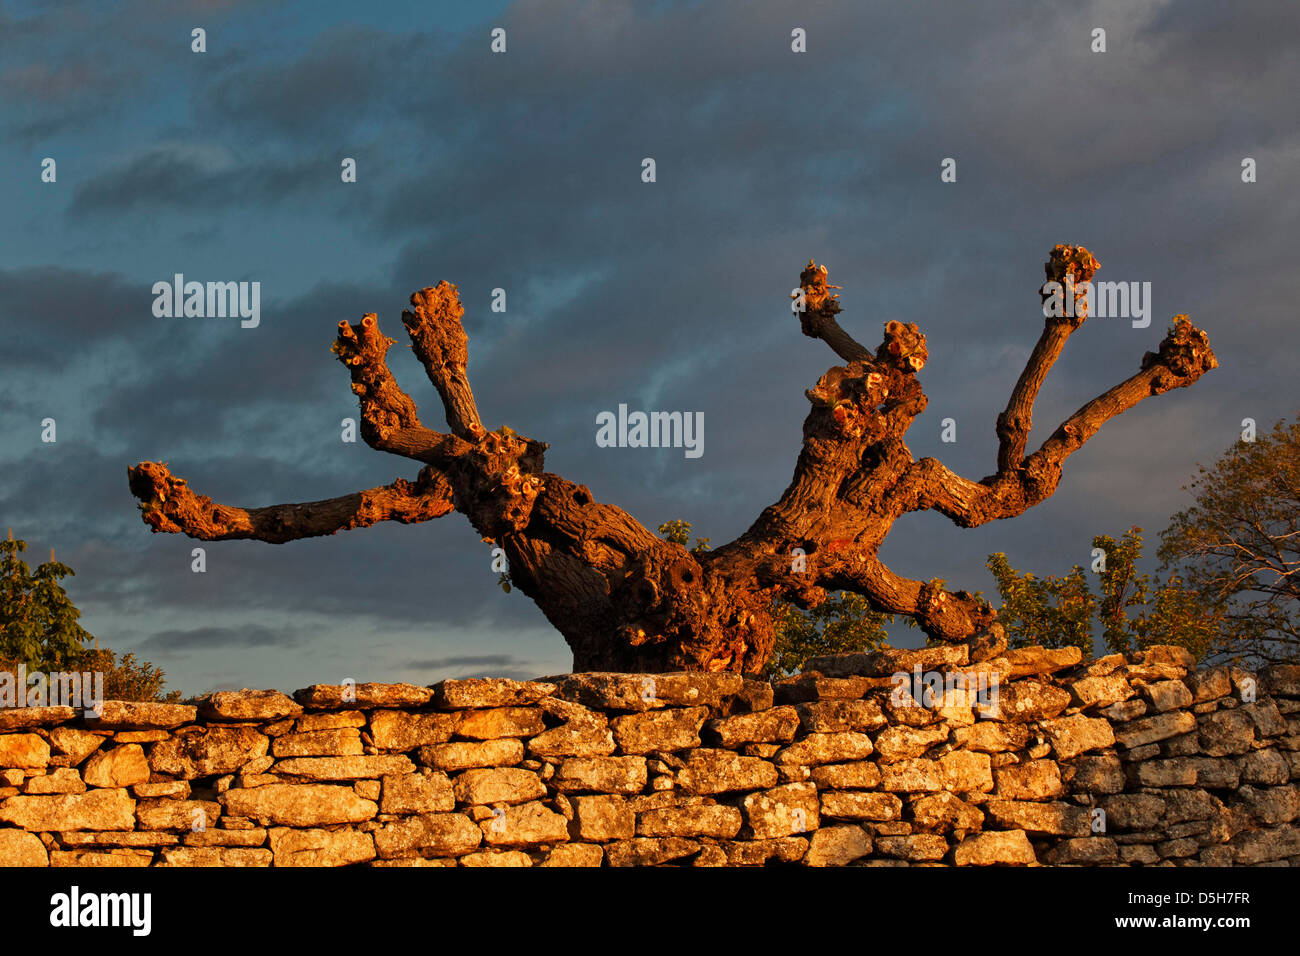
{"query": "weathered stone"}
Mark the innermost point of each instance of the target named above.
(912, 776)
(299, 804)
(20, 848)
(465, 755)
(207, 751)
(860, 805)
(92, 810)
(826, 748)
(497, 858)
(215, 856)
(1078, 734)
(1270, 805)
(335, 720)
(489, 692)
(1149, 730)
(1224, 733)
(399, 730)
(60, 780)
(995, 847)
(1168, 654)
(1218, 773)
(837, 846)
(649, 851)
(583, 740)
(810, 687)
(1267, 718)
(496, 722)
(185, 815)
(944, 811)
(717, 822)
(247, 705)
(362, 696)
(758, 852)
(1025, 661)
(1281, 680)
(500, 785)
(141, 715)
(1125, 710)
(1033, 780)
(1023, 701)
(991, 737)
(1101, 691)
(1133, 811)
(898, 743)
(781, 811)
(123, 766)
(237, 838)
(98, 858)
(20, 718)
(574, 854)
(1051, 818)
(344, 768)
(1175, 772)
(1208, 684)
(661, 730)
(28, 751)
(917, 847)
(777, 725)
(77, 744)
(320, 847)
(964, 772)
(439, 834)
(340, 742)
(861, 775)
(1092, 850)
(890, 661)
(1261, 846)
(601, 775)
(1264, 767)
(602, 818)
(720, 771)
(832, 716)
(529, 824)
(1167, 695)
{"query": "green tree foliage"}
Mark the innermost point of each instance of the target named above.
(38, 622)
(39, 631)
(1131, 612)
(1237, 549)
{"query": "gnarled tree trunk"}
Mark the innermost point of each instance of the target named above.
(625, 599)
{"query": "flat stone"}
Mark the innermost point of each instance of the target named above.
(1209, 683)
(1281, 680)
(465, 755)
(777, 725)
(1032, 780)
(826, 748)
(811, 687)
(320, 847)
(641, 692)
(964, 772)
(1084, 850)
(717, 822)
(860, 775)
(247, 705)
(602, 775)
(344, 768)
(665, 730)
(19, 848)
(1223, 733)
(215, 856)
(831, 716)
(944, 812)
(991, 848)
(710, 772)
(299, 804)
(186, 815)
(1167, 695)
(440, 834)
(362, 696)
(890, 661)
(398, 730)
(339, 742)
(649, 851)
(309, 723)
(101, 858)
(137, 715)
(59, 780)
(837, 846)
(489, 692)
(497, 858)
(207, 751)
(909, 776)
(77, 744)
(1078, 734)
(991, 737)
(1025, 661)
(758, 852)
(1061, 819)
(20, 718)
(781, 811)
(585, 740)
(860, 805)
(172, 789)
(497, 722)
(1028, 700)
(917, 847)
(1102, 691)
(92, 810)
(574, 854)
(899, 743)
(1133, 811)
(501, 785)
(602, 818)
(1149, 730)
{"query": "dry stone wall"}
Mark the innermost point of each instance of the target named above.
(1134, 760)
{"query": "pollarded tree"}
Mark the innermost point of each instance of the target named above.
(624, 598)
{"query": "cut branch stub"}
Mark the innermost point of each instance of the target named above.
(440, 342)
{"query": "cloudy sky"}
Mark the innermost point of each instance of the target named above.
(522, 171)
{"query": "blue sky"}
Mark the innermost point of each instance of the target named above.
(522, 171)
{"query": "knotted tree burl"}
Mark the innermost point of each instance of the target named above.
(625, 599)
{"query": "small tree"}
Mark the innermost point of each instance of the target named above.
(38, 621)
(1059, 611)
(1238, 547)
(39, 631)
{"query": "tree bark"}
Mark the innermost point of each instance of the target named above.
(623, 598)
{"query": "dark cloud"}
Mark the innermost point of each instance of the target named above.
(218, 638)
